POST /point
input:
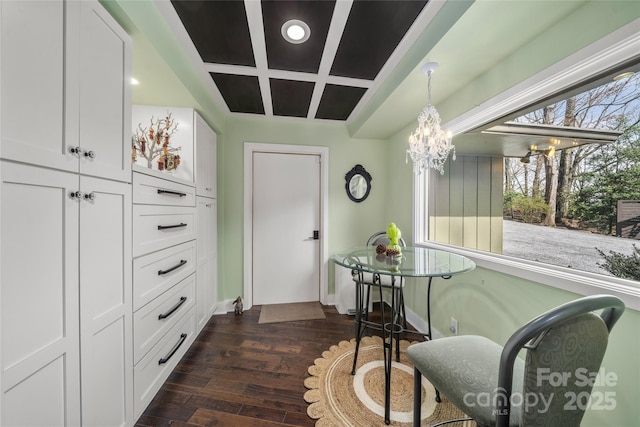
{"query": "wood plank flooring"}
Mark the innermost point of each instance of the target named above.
(241, 373)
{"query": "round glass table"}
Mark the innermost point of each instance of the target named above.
(413, 262)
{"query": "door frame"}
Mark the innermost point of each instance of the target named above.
(323, 152)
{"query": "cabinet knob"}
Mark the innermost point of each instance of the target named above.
(75, 195)
(90, 196)
(90, 154)
(207, 189)
(75, 150)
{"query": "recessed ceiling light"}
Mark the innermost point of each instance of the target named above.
(295, 31)
(134, 81)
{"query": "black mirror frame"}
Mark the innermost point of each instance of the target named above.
(358, 170)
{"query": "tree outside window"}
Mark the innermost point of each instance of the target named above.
(579, 188)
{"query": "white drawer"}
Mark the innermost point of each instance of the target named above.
(158, 227)
(150, 373)
(153, 320)
(150, 190)
(157, 272)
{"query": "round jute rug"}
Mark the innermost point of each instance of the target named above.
(338, 399)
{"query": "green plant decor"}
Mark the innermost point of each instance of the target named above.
(394, 234)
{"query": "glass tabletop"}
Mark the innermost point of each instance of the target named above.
(414, 262)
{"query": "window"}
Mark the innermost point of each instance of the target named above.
(606, 172)
(577, 205)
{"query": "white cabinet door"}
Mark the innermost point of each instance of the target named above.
(206, 275)
(39, 336)
(205, 141)
(105, 95)
(33, 115)
(105, 303)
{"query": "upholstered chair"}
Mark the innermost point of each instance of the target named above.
(495, 387)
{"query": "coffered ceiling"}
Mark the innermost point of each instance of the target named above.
(361, 64)
(256, 70)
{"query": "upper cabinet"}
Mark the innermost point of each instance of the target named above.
(73, 116)
(205, 159)
(105, 95)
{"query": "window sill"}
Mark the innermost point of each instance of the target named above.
(580, 282)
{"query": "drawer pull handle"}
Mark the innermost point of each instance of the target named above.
(173, 350)
(165, 227)
(176, 193)
(169, 270)
(172, 309)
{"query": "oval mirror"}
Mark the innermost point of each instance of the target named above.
(358, 183)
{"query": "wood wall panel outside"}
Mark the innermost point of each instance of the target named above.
(466, 203)
(470, 205)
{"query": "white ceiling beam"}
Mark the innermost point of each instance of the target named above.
(256, 30)
(336, 28)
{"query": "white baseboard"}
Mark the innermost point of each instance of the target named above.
(413, 319)
(224, 307)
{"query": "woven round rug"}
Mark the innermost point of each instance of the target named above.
(338, 399)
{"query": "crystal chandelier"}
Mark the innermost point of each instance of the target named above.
(429, 145)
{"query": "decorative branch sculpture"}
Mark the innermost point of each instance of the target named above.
(154, 143)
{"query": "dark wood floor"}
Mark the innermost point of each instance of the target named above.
(241, 373)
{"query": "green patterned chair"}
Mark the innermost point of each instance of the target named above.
(483, 379)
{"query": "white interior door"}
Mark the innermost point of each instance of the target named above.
(286, 212)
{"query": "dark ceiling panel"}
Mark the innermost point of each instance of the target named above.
(291, 98)
(373, 30)
(304, 57)
(241, 93)
(338, 102)
(218, 29)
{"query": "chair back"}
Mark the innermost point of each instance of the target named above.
(564, 345)
(381, 237)
(560, 369)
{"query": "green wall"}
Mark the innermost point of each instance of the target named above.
(349, 223)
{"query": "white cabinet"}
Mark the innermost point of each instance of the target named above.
(65, 216)
(207, 289)
(164, 279)
(66, 298)
(206, 146)
(39, 297)
(105, 302)
(105, 95)
(34, 117)
(75, 116)
(205, 140)
(174, 248)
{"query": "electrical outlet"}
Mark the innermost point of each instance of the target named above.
(454, 326)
